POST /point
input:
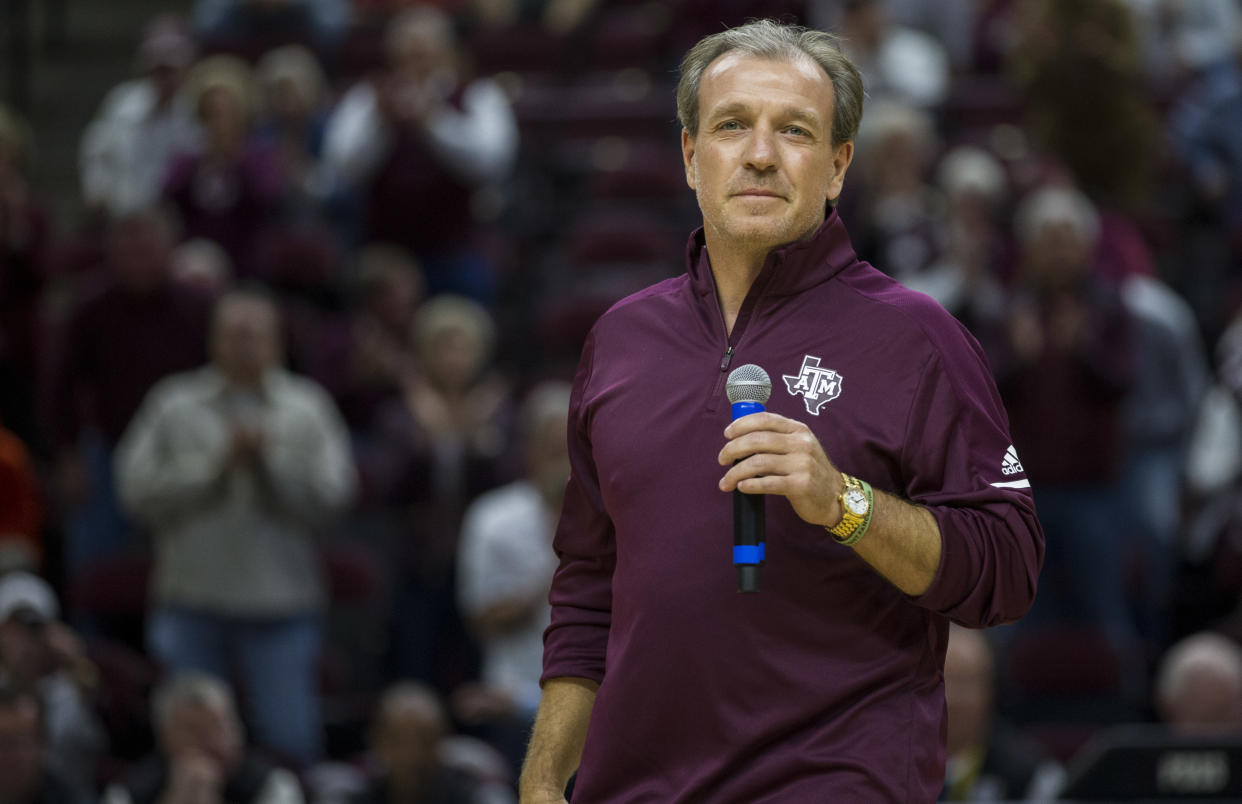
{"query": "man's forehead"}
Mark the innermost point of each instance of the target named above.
(740, 70)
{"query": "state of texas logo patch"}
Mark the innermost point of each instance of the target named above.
(816, 385)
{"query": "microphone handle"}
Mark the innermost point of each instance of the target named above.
(748, 532)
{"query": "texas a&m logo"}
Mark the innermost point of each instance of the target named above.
(817, 385)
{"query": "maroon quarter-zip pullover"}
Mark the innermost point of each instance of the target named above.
(827, 685)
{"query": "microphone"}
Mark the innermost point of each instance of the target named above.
(748, 387)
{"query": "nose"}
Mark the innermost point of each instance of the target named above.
(761, 150)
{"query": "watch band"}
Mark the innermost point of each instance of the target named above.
(853, 526)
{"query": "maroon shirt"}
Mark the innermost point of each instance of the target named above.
(827, 685)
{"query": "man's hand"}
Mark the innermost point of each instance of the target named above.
(195, 779)
(775, 455)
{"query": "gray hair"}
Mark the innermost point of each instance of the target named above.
(547, 401)
(189, 689)
(1052, 205)
(448, 312)
(773, 40)
(1202, 650)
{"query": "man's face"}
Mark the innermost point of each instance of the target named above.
(246, 340)
(23, 647)
(762, 162)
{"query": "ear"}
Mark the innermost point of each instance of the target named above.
(687, 156)
(842, 156)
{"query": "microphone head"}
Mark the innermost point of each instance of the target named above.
(748, 383)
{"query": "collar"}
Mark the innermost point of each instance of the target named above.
(789, 269)
(216, 385)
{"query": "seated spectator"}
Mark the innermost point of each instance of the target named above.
(505, 565)
(25, 240)
(202, 754)
(141, 126)
(235, 468)
(897, 63)
(21, 507)
(433, 450)
(28, 777)
(230, 191)
(417, 142)
(408, 742)
(39, 653)
(116, 343)
(1199, 686)
(986, 761)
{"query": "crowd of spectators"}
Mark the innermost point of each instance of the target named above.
(282, 412)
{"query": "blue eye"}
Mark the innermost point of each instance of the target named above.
(730, 125)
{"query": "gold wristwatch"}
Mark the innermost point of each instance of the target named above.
(856, 501)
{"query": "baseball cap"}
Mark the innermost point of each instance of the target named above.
(28, 594)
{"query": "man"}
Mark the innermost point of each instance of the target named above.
(408, 743)
(236, 468)
(1199, 686)
(28, 777)
(826, 685)
(417, 141)
(41, 654)
(986, 761)
(202, 754)
(116, 344)
(504, 568)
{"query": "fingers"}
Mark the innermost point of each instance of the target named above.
(763, 421)
(781, 473)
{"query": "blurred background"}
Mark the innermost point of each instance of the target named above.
(291, 292)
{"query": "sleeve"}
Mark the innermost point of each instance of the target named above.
(308, 462)
(478, 143)
(585, 543)
(356, 139)
(157, 483)
(959, 462)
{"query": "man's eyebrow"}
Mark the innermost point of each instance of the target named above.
(731, 108)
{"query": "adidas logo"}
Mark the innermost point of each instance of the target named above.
(1011, 465)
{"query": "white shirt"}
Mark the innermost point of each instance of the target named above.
(505, 553)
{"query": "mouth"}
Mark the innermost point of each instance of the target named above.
(758, 193)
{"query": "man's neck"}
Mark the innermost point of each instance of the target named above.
(734, 270)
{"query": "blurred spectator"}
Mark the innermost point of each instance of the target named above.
(986, 760)
(373, 354)
(1181, 38)
(21, 507)
(417, 142)
(1161, 410)
(116, 343)
(235, 468)
(443, 443)
(1199, 686)
(141, 126)
(896, 219)
(554, 16)
(230, 191)
(505, 565)
(27, 776)
(202, 754)
(293, 119)
(25, 237)
(1062, 359)
(253, 26)
(202, 266)
(408, 739)
(39, 653)
(900, 64)
(965, 278)
(1075, 61)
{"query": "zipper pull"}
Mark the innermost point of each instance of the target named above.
(724, 361)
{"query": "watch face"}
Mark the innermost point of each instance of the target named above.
(856, 501)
